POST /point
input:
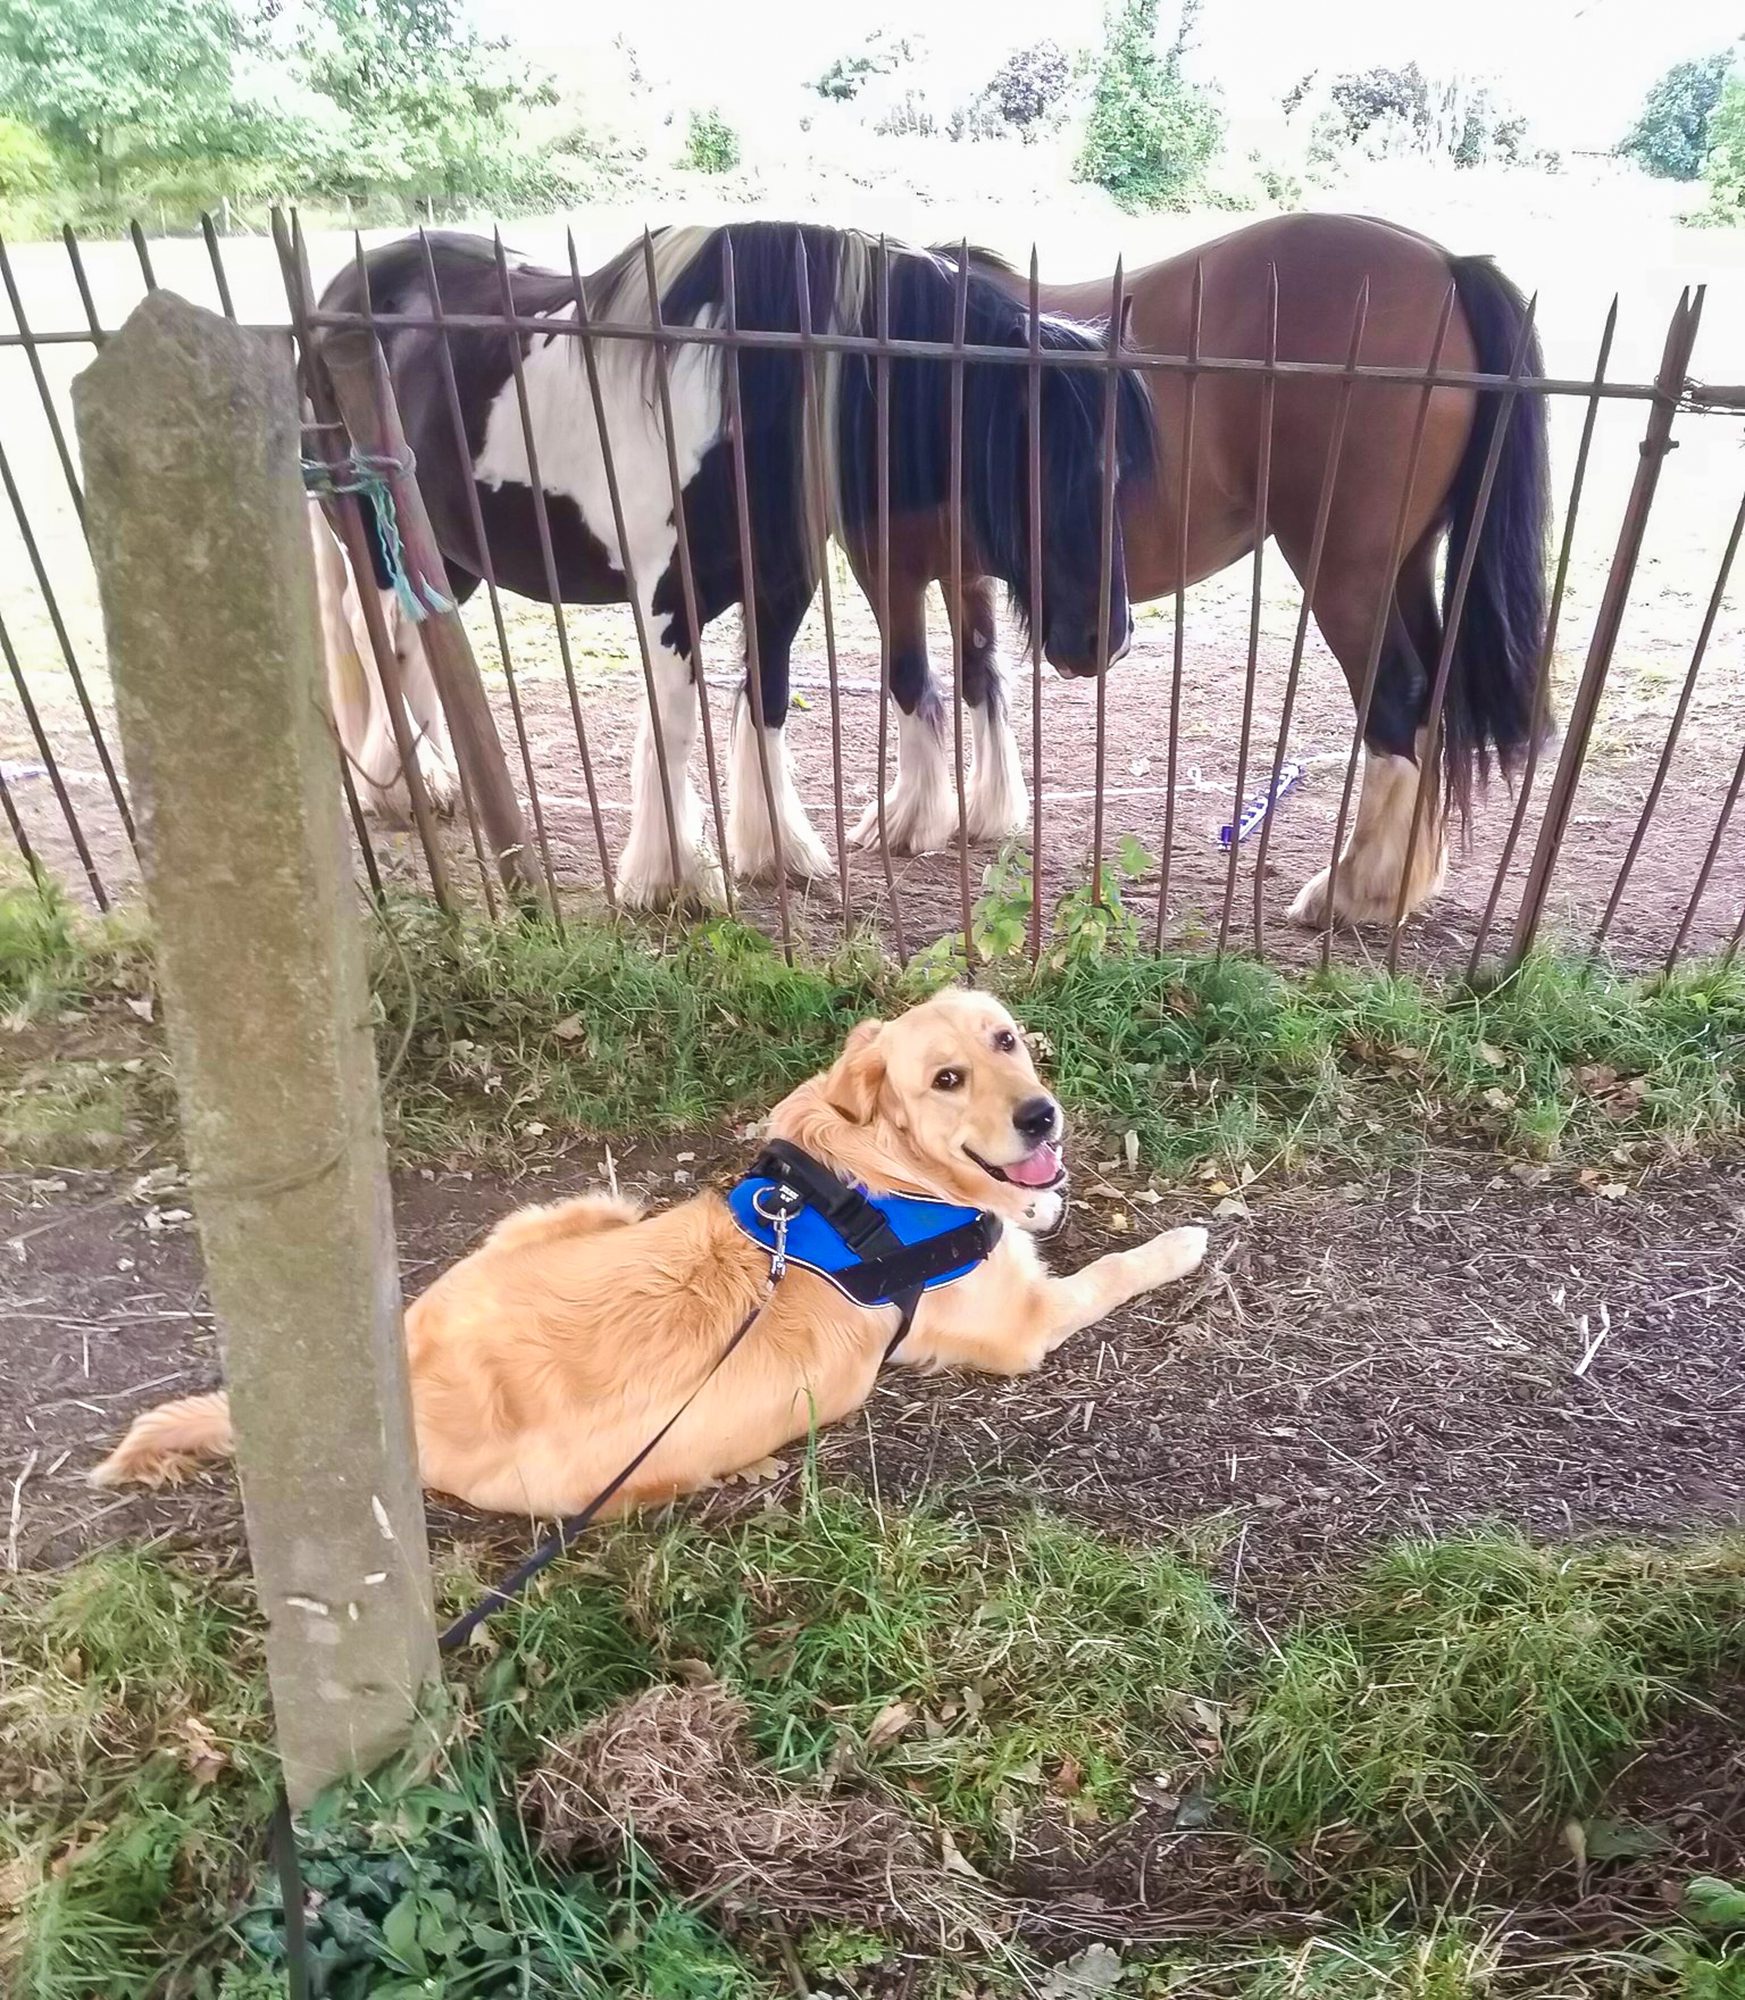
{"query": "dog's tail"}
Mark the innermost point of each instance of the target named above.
(583, 1215)
(164, 1445)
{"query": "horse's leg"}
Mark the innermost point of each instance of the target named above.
(921, 807)
(998, 803)
(352, 686)
(1368, 884)
(751, 831)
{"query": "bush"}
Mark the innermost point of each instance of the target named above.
(1151, 133)
(1724, 168)
(1672, 137)
(28, 166)
(711, 144)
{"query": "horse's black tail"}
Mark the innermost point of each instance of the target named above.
(1494, 673)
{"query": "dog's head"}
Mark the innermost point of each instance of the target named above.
(945, 1098)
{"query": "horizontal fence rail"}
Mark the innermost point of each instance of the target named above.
(515, 762)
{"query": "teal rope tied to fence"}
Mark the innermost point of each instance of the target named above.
(366, 476)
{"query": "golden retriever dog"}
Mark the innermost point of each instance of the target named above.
(544, 1361)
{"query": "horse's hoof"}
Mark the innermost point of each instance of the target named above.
(700, 887)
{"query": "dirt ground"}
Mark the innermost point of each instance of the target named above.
(1408, 1353)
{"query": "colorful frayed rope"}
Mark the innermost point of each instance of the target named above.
(367, 476)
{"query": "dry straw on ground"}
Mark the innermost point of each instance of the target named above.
(673, 1769)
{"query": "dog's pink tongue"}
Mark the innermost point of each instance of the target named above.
(1038, 1170)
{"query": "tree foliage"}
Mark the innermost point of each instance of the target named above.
(879, 55)
(1724, 164)
(1671, 136)
(1151, 133)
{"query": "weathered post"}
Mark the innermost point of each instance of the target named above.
(189, 430)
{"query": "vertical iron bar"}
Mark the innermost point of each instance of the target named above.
(1698, 653)
(143, 254)
(487, 570)
(359, 827)
(882, 453)
(748, 582)
(33, 867)
(687, 576)
(45, 752)
(1033, 414)
(220, 277)
(959, 611)
(1547, 652)
(1365, 695)
(1423, 800)
(1179, 646)
(27, 340)
(1681, 336)
(1262, 496)
(76, 259)
(1709, 859)
(820, 504)
(64, 641)
(1105, 571)
(1317, 546)
(547, 550)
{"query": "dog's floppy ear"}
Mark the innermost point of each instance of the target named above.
(852, 1086)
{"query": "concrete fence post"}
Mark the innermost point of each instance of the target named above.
(189, 429)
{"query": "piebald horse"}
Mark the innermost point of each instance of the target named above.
(847, 295)
(1322, 263)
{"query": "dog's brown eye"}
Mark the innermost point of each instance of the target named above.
(948, 1079)
(1006, 1042)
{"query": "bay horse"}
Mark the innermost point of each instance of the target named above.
(690, 280)
(1322, 262)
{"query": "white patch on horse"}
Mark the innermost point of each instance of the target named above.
(921, 807)
(998, 804)
(750, 831)
(573, 464)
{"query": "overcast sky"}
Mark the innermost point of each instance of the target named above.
(1577, 68)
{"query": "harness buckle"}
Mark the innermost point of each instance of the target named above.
(777, 1205)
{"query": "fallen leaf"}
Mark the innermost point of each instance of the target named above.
(889, 1724)
(953, 1858)
(200, 1752)
(1085, 1976)
(1120, 1221)
(1068, 1778)
(18, 1878)
(570, 1029)
(1231, 1205)
(1130, 1147)
(1496, 1100)
(1622, 1839)
(143, 1008)
(1488, 1053)
(1575, 1839)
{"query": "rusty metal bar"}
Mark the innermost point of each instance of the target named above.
(143, 254)
(220, 277)
(959, 611)
(1317, 547)
(39, 736)
(487, 570)
(28, 341)
(1735, 940)
(1167, 364)
(882, 454)
(1707, 869)
(687, 575)
(547, 549)
(1698, 654)
(1179, 643)
(748, 585)
(64, 641)
(1681, 336)
(1423, 798)
(819, 503)
(1033, 414)
(360, 828)
(1105, 571)
(1365, 695)
(33, 867)
(1262, 499)
(75, 257)
(1548, 652)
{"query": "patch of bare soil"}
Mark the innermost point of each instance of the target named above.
(1404, 1353)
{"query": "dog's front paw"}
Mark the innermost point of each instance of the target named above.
(1175, 1255)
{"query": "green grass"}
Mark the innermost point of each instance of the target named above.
(1447, 1696)
(487, 1031)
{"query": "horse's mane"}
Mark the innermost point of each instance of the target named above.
(979, 258)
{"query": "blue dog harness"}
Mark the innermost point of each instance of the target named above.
(878, 1250)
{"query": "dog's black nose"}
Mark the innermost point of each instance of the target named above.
(1037, 1118)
